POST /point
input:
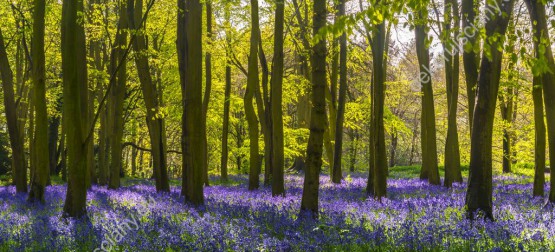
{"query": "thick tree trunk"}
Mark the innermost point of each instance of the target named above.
(471, 59)
(19, 169)
(479, 193)
(189, 50)
(276, 100)
(74, 66)
(314, 149)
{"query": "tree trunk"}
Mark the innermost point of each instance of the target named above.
(41, 174)
(252, 84)
(117, 97)
(506, 108)
(452, 159)
(539, 140)
(207, 89)
(189, 50)
(471, 58)
(19, 169)
(542, 43)
(276, 90)
(338, 151)
(430, 168)
(479, 193)
(154, 118)
(227, 96)
(314, 149)
(74, 66)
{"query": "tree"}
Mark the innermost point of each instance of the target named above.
(338, 151)
(314, 148)
(471, 57)
(19, 169)
(154, 117)
(429, 168)
(479, 192)
(449, 35)
(252, 84)
(208, 87)
(544, 76)
(227, 94)
(41, 174)
(74, 66)
(189, 51)
(276, 94)
(117, 97)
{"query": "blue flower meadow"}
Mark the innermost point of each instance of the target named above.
(415, 217)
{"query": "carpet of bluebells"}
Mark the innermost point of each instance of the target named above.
(415, 217)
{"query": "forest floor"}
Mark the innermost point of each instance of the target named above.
(415, 217)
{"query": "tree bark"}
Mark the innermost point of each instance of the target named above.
(19, 169)
(452, 159)
(189, 50)
(74, 66)
(479, 192)
(41, 174)
(154, 118)
(227, 97)
(207, 89)
(430, 168)
(471, 58)
(542, 44)
(252, 84)
(117, 97)
(276, 90)
(309, 202)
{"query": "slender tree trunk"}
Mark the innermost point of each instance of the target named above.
(189, 50)
(539, 140)
(276, 95)
(154, 119)
(227, 97)
(267, 113)
(19, 169)
(542, 41)
(117, 97)
(252, 84)
(479, 193)
(430, 168)
(506, 108)
(208, 87)
(74, 66)
(393, 148)
(338, 151)
(378, 156)
(314, 149)
(452, 159)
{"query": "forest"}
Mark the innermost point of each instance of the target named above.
(286, 125)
